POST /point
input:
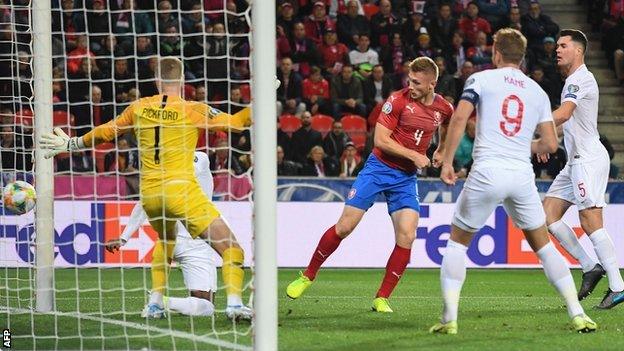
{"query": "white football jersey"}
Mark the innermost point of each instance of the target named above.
(509, 107)
(580, 132)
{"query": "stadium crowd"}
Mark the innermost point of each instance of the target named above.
(338, 60)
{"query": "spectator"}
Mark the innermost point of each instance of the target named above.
(413, 27)
(547, 59)
(376, 88)
(92, 114)
(147, 72)
(79, 82)
(346, 93)
(383, 24)
(81, 51)
(401, 79)
(165, 18)
(335, 141)
(131, 22)
(551, 88)
(424, 47)
(304, 138)
(78, 162)
(303, 51)
(318, 165)
(289, 94)
(494, 11)
(283, 140)
(285, 167)
(446, 82)
(98, 24)
(363, 53)
(442, 28)
(286, 19)
(171, 43)
(395, 53)
(236, 22)
(318, 22)
(471, 24)
(10, 161)
(216, 66)
(466, 71)
(144, 47)
(108, 50)
(351, 25)
(514, 19)
(455, 55)
(364, 71)
(221, 161)
(334, 54)
(537, 26)
(316, 93)
(350, 163)
(125, 161)
(200, 93)
(195, 21)
(68, 21)
(463, 155)
(481, 53)
(124, 80)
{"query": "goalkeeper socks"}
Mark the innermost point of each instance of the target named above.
(570, 242)
(232, 270)
(191, 306)
(558, 274)
(606, 254)
(161, 256)
(452, 277)
(327, 245)
(395, 267)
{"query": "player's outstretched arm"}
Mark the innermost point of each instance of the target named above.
(137, 217)
(388, 145)
(454, 134)
(547, 143)
(438, 154)
(564, 112)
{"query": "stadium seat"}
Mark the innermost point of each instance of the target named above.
(370, 10)
(374, 115)
(289, 123)
(24, 117)
(355, 127)
(322, 123)
(62, 119)
(245, 90)
(100, 154)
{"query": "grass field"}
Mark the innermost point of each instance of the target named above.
(500, 310)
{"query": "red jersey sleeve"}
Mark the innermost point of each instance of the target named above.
(446, 119)
(391, 110)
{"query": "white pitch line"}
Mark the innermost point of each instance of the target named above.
(338, 297)
(133, 325)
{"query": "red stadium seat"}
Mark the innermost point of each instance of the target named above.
(289, 123)
(355, 127)
(322, 123)
(100, 154)
(374, 115)
(62, 119)
(370, 10)
(24, 117)
(245, 90)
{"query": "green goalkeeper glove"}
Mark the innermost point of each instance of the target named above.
(58, 142)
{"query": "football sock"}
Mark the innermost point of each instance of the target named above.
(395, 267)
(161, 256)
(452, 276)
(558, 274)
(327, 245)
(233, 274)
(606, 254)
(191, 306)
(570, 242)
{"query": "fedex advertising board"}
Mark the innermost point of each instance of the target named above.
(81, 228)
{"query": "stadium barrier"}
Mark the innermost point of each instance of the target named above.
(82, 226)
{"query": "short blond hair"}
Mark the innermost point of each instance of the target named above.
(424, 64)
(511, 44)
(171, 69)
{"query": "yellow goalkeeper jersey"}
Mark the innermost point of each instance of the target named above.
(167, 129)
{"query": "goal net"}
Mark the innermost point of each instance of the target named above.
(104, 56)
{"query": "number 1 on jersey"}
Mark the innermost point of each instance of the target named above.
(156, 142)
(515, 122)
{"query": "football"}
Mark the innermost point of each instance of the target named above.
(19, 197)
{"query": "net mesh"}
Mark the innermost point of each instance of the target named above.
(104, 58)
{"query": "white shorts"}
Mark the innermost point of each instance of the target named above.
(198, 263)
(583, 184)
(486, 188)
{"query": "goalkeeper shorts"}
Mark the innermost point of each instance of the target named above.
(178, 200)
(400, 188)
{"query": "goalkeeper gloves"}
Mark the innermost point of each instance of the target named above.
(57, 142)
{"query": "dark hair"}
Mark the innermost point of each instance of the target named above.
(577, 37)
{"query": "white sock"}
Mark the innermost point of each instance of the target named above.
(191, 306)
(157, 298)
(559, 276)
(452, 276)
(605, 250)
(570, 242)
(234, 300)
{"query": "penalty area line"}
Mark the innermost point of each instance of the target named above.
(133, 325)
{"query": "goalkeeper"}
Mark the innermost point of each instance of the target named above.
(167, 128)
(196, 259)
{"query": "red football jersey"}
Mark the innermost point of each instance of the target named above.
(412, 125)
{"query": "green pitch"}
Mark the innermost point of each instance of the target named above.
(499, 310)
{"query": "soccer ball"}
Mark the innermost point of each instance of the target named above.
(19, 197)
